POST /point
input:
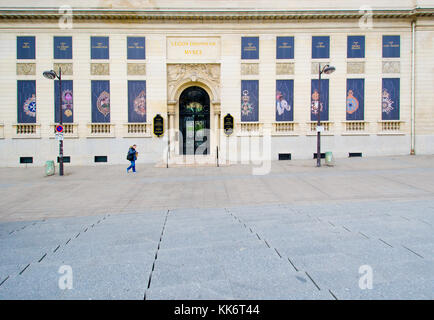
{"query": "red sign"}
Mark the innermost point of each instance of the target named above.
(59, 128)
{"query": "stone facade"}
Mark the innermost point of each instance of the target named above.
(179, 55)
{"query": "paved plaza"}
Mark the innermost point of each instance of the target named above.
(298, 232)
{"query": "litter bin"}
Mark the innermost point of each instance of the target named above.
(329, 159)
(49, 168)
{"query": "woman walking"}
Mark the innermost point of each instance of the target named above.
(132, 157)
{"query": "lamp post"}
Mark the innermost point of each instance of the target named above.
(53, 75)
(327, 70)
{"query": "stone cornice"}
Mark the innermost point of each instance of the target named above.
(203, 15)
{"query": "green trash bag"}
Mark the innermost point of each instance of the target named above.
(329, 159)
(49, 168)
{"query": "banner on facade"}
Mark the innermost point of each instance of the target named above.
(136, 48)
(26, 47)
(320, 47)
(285, 48)
(100, 101)
(284, 100)
(137, 101)
(99, 47)
(356, 47)
(249, 100)
(67, 101)
(319, 104)
(26, 101)
(355, 108)
(250, 48)
(390, 99)
(62, 47)
(391, 46)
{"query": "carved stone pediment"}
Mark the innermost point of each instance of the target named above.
(66, 68)
(249, 68)
(182, 73)
(284, 68)
(315, 65)
(100, 69)
(136, 69)
(391, 67)
(26, 69)
(356, 67)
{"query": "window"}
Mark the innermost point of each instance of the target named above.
(356, 47)
(285, 48)
(250, 48)
(26, 47)
(99, 47)
(391, 46)
(62, 47)
(136, 48)
(321, 47)
(26, 101)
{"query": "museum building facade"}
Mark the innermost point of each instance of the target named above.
(171, 81)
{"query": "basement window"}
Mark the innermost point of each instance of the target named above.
(100, 159)
(26, 159)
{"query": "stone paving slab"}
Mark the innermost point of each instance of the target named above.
(297, 233)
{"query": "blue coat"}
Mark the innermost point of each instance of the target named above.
(132, 151)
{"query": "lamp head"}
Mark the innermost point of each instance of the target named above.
(329, 69)
(50, 74)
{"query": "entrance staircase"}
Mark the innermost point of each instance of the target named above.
(189, 161)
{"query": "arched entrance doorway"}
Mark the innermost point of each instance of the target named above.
(194, 121)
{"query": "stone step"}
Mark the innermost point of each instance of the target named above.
(190, 161)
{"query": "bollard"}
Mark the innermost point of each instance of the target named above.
(329, 161)
(49, 168)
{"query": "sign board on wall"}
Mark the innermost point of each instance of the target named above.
(207, 48)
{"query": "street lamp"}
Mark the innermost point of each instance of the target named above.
(327, 69)
(53, 75)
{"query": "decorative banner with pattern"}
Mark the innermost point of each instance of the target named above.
(100, 101)
(62, 47)
(355, 108)
(26, 47)
(391, 46)
(136, 48)
(323, 104)
(285, 48)
(26, 101)
(136, 101)
(67, 102)
(249, 100)
(390, 99)
(99, 47)
(250, 48)
(320, 47)
(356, 47)
(284, 100)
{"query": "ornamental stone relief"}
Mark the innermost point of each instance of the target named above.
(207, 73)
(284, 68)
(67, 69)
(99, 69)
(250, 68)
(26, 69)
(314, 66)
(356, 67)
(136, 69)
(391, 67)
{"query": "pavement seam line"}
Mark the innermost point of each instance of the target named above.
(21, 272)
(313, 281)
(156, 255)
(413, 251)
(1, 283)
(292, 264)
